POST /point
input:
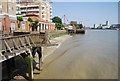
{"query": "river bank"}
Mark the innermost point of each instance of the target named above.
(93, 55)
(46, 51)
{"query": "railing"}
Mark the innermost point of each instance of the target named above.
(30, 10)
(23, 6)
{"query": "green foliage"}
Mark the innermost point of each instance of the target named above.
(62, 25)
(57, 20)
(18, 25)
(78, 26)
(30, 25)
(57, 35)
(36, 21)
(30, 19)
(73, 22)
(19, 18)
(59, 26)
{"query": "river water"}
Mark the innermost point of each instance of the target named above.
(93, 55)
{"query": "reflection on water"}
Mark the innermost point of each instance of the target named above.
(90, 56)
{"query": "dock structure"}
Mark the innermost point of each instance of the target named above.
(76, 31)
(23, 47)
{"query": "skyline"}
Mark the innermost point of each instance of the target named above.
(94, 12)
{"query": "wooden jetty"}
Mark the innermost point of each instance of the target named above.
(76, 31)
(21, 48)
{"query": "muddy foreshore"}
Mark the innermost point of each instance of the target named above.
(46, 51)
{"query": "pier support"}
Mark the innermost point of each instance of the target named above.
(37, 50)
(29, 61)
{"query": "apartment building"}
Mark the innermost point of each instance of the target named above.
(42, 8)
(37, 9)
(8, 17)
(8, 7)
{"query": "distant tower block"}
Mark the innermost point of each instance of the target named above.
(108, 24)
(95, 26)
(100, 26)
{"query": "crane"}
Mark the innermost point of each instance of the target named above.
(80, 22)
(65, 19)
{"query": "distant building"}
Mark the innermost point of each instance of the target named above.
(95, 26)
(107, 25)
(100, 26)
(115, 26)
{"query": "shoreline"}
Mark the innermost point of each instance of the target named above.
(46, 51)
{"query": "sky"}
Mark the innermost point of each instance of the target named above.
(85, 0)
(93, 12)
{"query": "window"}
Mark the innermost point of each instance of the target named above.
(12, 27)
(0, 5)
(9, 7)
(0, 11)
(0, 25)
(42, 8)
(23, 26)
(43, 16)
(12, 8)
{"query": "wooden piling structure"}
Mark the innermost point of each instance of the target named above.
(25, 46)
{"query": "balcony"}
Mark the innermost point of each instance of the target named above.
(37, 13)
(51, 14)
(23, 10)
(29, 10)
(43, 14)
(43, 6)
(43, 10)
(33, 10)
(18, 5)
(24, 6)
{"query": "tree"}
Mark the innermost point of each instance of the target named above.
(73, 22)
(36, 21)
(30, 19)
(59, 26)
(78, 26)
(19, 18)
(57, 20)
(35, 25)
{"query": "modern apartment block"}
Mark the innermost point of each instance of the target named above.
(8, 7)
(42, 8)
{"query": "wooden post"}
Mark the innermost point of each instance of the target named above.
(40, 64)
(29, 61)
(39, 51)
